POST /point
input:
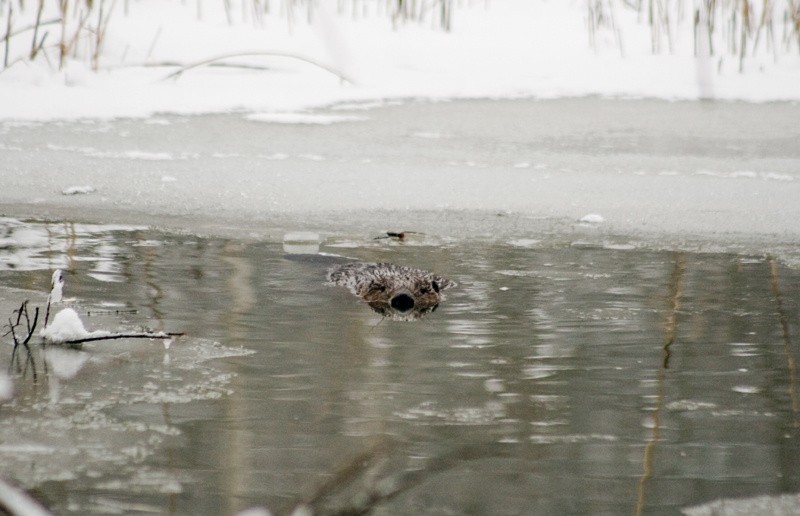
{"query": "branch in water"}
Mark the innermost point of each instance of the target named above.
(113, 336)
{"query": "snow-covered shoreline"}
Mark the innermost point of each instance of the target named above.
(501, 49)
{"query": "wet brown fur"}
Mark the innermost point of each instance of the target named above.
(379, 283)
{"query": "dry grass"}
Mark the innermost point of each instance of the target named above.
(738, 28)
(82, 25)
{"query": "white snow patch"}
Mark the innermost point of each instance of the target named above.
(746, 389)
(151, 156)
(67, 325)
(430, 135)
(78, 190)
(592, 218)
(746, 174)
(26, 448)
(504, 49)
(303, 118)
(524, 242)
(276, 156)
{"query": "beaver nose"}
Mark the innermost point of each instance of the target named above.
(402, 302)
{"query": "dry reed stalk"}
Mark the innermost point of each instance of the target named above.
(62, 43)
(100, 32)
(8, 35)
(745, 31)
(34, 46)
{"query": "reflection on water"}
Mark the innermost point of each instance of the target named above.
(572, 379)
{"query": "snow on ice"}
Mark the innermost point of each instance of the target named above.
(67, 325)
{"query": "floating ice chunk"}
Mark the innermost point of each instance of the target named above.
(524, 242)
(67, 325)
(76, 190)
(746, 389)
(592, 218)
(522, 164)
(168, 179)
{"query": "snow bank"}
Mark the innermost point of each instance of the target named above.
(508, 48)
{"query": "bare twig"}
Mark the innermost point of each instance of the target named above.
(288, 55)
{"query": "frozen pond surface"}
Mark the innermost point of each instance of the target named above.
(553, 379)
(720, 174)
(623, 337)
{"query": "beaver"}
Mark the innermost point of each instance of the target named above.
(397, 292)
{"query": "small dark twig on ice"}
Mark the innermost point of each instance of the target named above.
(398, 235)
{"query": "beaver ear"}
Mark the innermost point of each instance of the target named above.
(440, 283)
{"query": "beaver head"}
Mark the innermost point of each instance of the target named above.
(397, 292)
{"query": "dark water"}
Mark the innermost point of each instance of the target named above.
(553, 379)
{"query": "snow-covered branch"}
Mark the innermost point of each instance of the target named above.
(67, 328)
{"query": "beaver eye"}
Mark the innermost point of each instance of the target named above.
(435, 286)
